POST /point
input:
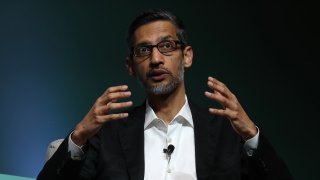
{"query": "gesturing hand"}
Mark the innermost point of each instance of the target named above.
(232, 109)
(100, 113)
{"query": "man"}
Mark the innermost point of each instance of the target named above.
(168, 137)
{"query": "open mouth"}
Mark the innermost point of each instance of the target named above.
(158, 74)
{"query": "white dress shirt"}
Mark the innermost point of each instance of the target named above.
(157, 136)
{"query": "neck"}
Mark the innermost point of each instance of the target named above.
(168, 105)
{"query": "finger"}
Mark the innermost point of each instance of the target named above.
(223, 112)
(111, 117)
(114, 106)
(122, 105)
(113, 97)
(219, 98)
(216, 81)
(219, 86)
(116, 89)
(231, 103)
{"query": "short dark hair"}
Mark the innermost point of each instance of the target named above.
(156, 15)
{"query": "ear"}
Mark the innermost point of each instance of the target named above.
(188, 56)
(129, 66)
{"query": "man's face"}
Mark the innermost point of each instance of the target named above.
(160, 73)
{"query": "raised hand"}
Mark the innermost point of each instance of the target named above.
(100, 113)
(232, 109)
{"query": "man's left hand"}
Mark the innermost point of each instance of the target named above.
(232, 109)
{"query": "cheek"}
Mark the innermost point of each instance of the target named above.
(176, 65)
(140, 72)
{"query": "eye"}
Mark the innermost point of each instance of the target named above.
(142, 51)
(166, 45)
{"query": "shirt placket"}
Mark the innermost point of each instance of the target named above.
(172, 136)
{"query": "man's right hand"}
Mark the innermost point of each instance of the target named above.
(100, 113)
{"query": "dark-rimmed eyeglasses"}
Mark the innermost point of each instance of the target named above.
(163, 47)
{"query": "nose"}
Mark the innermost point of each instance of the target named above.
(156, 56)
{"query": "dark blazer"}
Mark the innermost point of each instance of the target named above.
(117, 153)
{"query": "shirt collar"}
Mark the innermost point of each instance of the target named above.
(185, 113)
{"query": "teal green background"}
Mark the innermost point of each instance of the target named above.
(57, 57)
(10, 177)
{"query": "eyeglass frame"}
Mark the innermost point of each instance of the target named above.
(151, 46)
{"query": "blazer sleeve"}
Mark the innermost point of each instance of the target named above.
(265, 164)
(61, 167)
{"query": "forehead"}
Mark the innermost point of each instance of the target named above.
(155, 31)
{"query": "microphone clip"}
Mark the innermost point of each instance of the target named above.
(169, 151)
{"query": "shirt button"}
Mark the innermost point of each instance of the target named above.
(169, 140)
(169, 170)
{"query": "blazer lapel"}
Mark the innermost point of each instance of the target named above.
(131, 134)
(205, 140)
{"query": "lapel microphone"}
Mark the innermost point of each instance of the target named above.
(169, 151)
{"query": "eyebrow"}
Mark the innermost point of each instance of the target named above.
(168, 37)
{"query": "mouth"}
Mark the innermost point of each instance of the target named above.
(158, 74)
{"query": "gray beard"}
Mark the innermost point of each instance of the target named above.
(163, 89)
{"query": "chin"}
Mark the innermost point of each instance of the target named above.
(162, 89)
